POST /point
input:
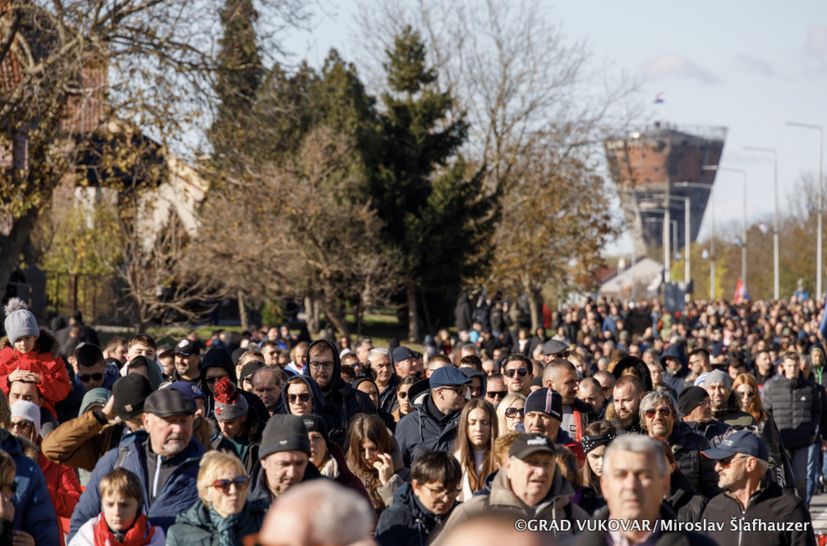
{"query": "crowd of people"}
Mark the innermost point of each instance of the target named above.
(698, 427)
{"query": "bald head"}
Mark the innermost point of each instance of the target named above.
(318, 512)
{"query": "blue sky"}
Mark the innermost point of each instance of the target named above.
(748, 65)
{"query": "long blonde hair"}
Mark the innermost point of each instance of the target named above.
(504, 404)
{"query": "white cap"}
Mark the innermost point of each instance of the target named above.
(27, 411)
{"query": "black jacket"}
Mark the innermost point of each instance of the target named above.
(341, 402)
(406, 522)
(711, 430)
(700, 471)
(426, 429)
(259, 489)
(796, 407)
(769, 504)
(683, 499)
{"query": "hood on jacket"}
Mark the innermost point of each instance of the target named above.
(471, 372)
(678, 352)
(315, 391)
(155, 376)
(636, 364)
(216, 357)
(336, 382)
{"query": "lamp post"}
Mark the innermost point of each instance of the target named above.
(743, 173)
(775, 279)
(819, 229)
(707, 187)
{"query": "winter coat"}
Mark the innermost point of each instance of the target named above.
(82, 441)
(54, 383)
(796, 408)
(195, 527)
(407, 522)
(426, 430)
(700, 471)
(177, 494)
(555, 506)
(33, 510)
(770, 504)
(683, 499)
(711, 430)
(64, 487)
(387, 398)
(86, 535)
(342, 402)
(315, 393)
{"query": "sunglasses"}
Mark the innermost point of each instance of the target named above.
(293, 398)
(728, 460)
(240, 483)
(522, 372)
(496, 394)
(663, 412)
(86, 378)
(514, 412)
(402, 394)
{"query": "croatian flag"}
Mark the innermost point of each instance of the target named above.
(659, 98)
(740, 292)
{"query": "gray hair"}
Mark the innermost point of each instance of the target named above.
(378, 351)
(652, 400)
(638, 443)
(340, 516)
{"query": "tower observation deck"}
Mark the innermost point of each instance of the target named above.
(649, 164)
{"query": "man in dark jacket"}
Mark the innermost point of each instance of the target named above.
(419, 508)
(696, 410)
(342, 402)
(434, 426)
(795, 405)
(165, 458)
(752, 509)
(284, 458)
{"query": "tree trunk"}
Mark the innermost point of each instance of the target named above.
(312, 316)
(413, 314)
(242, 311)
(336, 318)
(359, 313)
(12, 246)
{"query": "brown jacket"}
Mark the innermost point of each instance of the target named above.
(80, 442)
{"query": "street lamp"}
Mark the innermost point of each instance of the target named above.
(707, 187)
(819, 229)
(775, 281)
(744, 220)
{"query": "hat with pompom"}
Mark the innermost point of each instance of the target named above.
(20, 322)
(229, 403)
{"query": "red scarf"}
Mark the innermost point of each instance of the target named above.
(137, 535)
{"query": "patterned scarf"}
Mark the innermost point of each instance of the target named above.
(225, 528)
(592, 442)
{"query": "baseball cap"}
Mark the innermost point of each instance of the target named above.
(186, 347)
(744, 441)
(529, 444)
(130, 393)
(403, 353)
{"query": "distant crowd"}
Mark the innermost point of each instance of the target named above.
(699, 427)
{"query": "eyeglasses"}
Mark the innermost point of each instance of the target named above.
(522, 372)
(514, 412)
(294, 398)
(240, 483)
(402, 394)
(439, 493)
(86, 378)
(729, 460)
(663, 412)
(496, 394)
(323, 365)
(26, 425)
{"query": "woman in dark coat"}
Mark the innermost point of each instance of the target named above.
(219, 518)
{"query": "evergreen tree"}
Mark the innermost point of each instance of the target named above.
(432, 210)
(238, 77)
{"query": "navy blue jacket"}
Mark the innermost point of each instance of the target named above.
(425, 430)
(406, 522)
(179, 492)
(33, 510)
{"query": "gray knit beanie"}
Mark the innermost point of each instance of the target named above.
(20, 322)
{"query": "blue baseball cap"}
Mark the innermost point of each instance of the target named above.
(403, 353)
(448, 376)
(744, 441)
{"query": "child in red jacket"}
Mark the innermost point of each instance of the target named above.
(23, 361)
